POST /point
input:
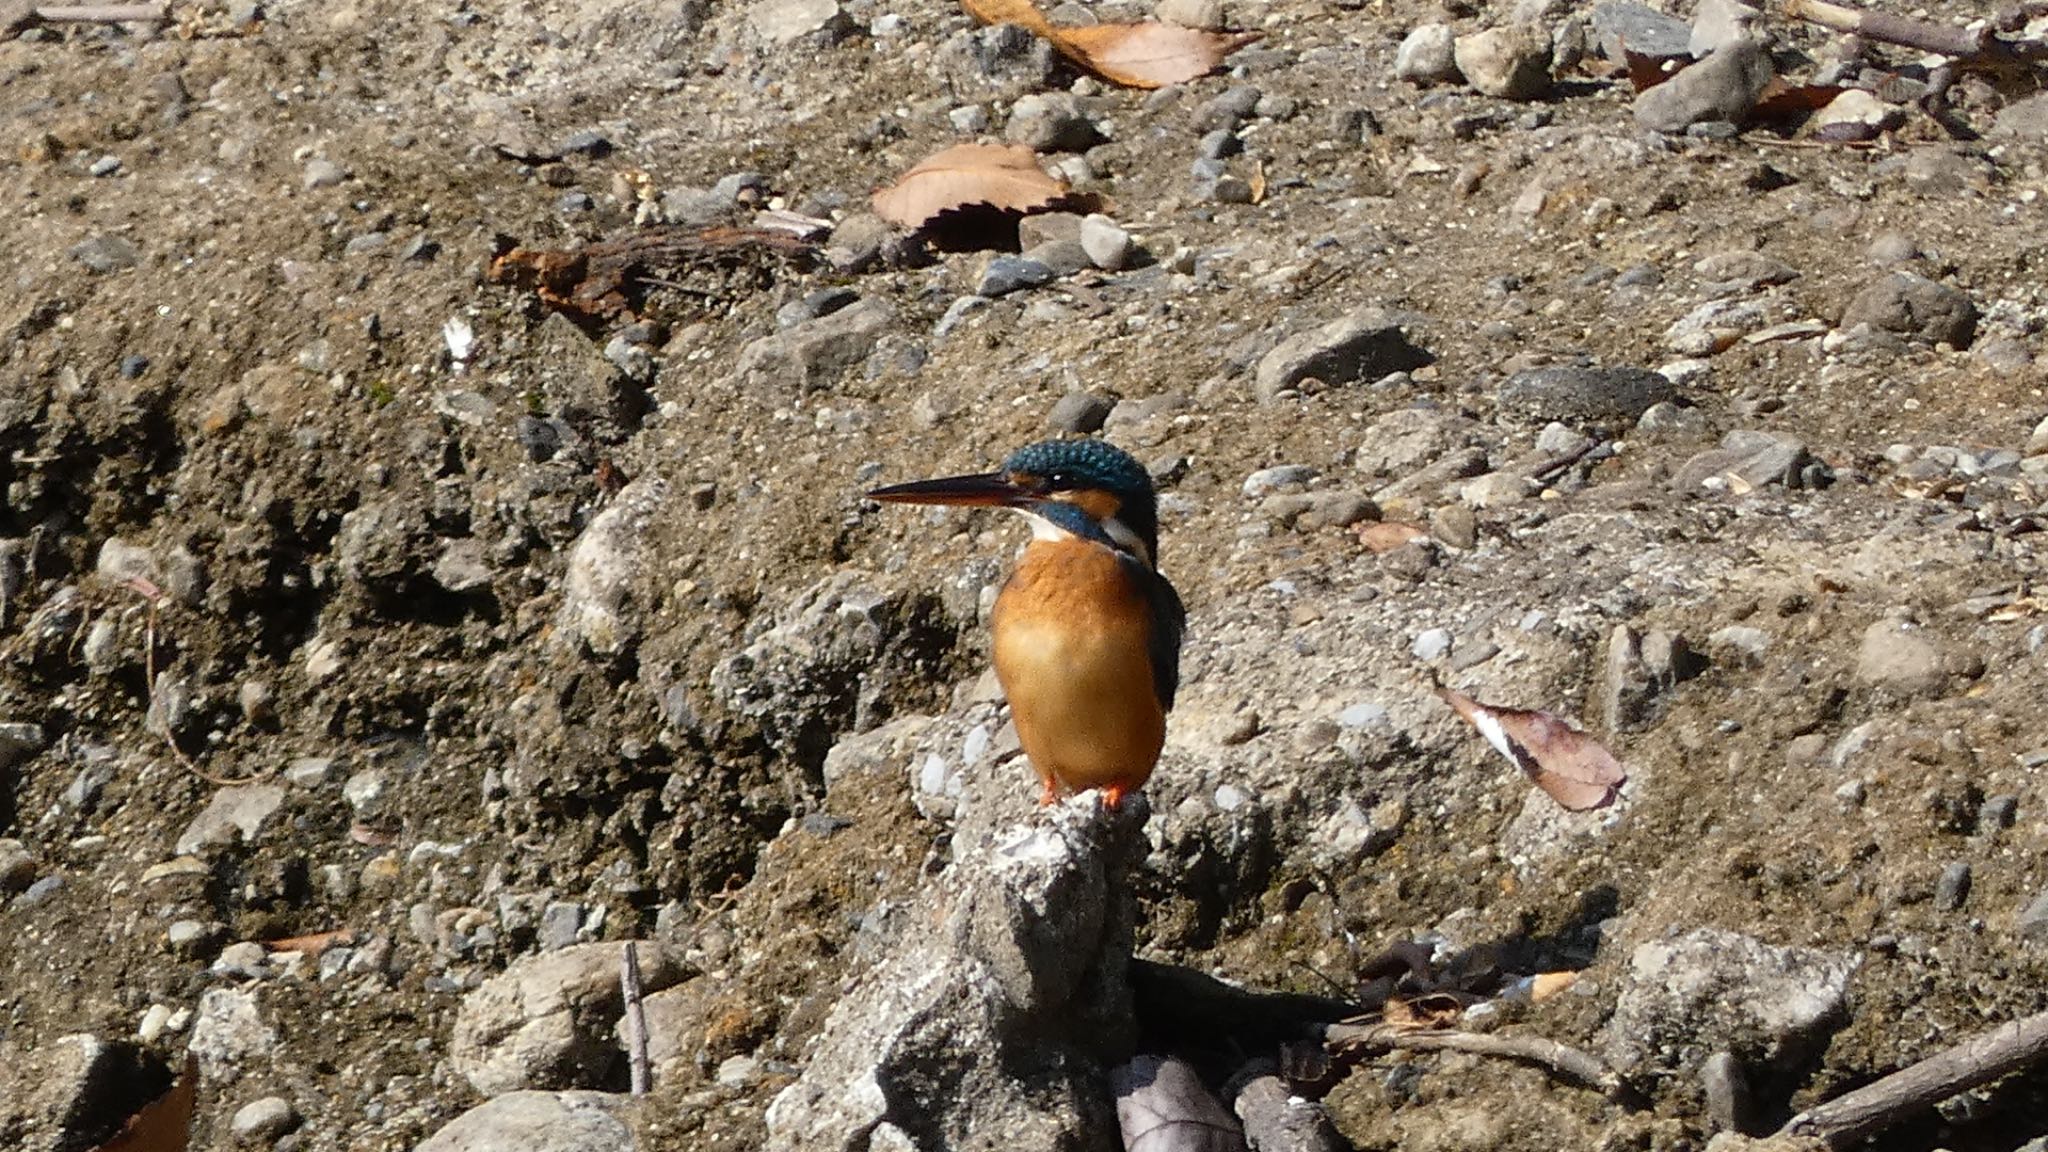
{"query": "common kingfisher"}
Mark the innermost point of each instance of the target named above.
(1087, 632)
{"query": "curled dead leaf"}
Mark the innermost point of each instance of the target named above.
(1422, 1013)
(1387, 535)
(1005, 177)
(1571, 767)
(312, 944)
(1143, 55)
(1163, 1106)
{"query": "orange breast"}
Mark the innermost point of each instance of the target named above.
(1071, 629)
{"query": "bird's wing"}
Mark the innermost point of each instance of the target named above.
(1170, 617)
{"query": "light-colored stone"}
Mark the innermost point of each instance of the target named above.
(1724, 86)
(1512, 62)
(540, 1122)
(546, 1021)
(1427, 55)
(234, 813)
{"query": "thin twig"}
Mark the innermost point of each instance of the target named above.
(1274, 1118)
(1565, 1061)
(636, 1019)
(1985, 1057)
(105, 14)
(152, 595)
(1973, 44)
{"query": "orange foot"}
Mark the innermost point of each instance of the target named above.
(1113, 796)
(1048, 795)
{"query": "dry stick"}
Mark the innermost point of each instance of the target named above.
(104, 14)
(153, 595)
(636, 1018)
(1562, 1059)
(1975, 44)
(1876, 1106)
(1275, 1119)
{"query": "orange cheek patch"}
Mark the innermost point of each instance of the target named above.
(1099, 505)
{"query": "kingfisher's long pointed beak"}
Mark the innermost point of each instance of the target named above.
(987, 489)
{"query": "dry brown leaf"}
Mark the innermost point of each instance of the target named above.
(1145, 55)
(1003, 176)
(313, 944)
(165, 1123)
(1162, 1106)
(1422, 1013)
(1571, 767)
(1782, 100)
(1646, 71)
(1544, 985)
(1387, 535)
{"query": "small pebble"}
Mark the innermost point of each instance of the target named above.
(263, 1121)
(321, 173)
(105, 166)
(1081, 412)
(1269, 480)
(1431, 644)
(1954, 886)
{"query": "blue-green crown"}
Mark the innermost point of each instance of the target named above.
(1066, 465)
(1078, 465)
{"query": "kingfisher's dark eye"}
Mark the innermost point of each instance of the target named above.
(1057, 480)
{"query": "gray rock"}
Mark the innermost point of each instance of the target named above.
(1064, 257)
(1724, 86)
(229, 1035)
(236, 812)
(1012, 992)
(547, 1020)
(106, 253)
(1204, 14)
(1573, 394)
(1427, 55)
(464, 565)
(2032, 923)
(811, 305)
(1007, 274)
(1365, 345)
(814, 355)
(58, 1097)
(263, 1121)
(1914, 306)
(1277, 478)
(1718, 23)
(322, 173)
(195, 939)
(1079, 412)
(608, 566)
(1512, 63)
(1431, 644)
(1726, 1087)
(1642, 29)
(540, 1122)
(1897, 656)
(1749, 459)
(833, 661)
(1051, 122)
(17, 867)
(782, 21)
(2022, 119)
(1108, 246)
(1714, 989)
(1953, 887)
(1742, 271)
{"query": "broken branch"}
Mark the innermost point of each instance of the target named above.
(636, 1019)
(1851, 1117)
(1561, 1060)
(1974, 43)
(104, 14)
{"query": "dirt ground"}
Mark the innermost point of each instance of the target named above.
(518, 613)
